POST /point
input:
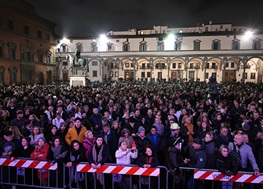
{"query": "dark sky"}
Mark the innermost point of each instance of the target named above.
(86, 17)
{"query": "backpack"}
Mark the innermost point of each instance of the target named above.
(236, 154)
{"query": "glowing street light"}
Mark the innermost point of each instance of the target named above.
(248, 34)
(103, 40)
(169, 42)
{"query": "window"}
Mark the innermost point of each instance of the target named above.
(143, 46)
(12, 50)
(179, 65)
(39, 34)
(206, 75)
(148, 74)
(174, 65)
(214, 74)
(235, 44)
(159, 75)
(191, 75)
(94, 63)
(95, 73)
(64, 47)
(111, 73)
(252, 76)
(227, 65)
(177, 45)
(143, 66)
(148, 66)
(216, 45)
(214, 66)
(126, 46)
(245, 76)
(2, 74)
(110, 46)
(143, 75)
(191, 66)
(29, 75)
(207, 65)
(94, 47)
(127, 65)
(65, 63)
(47, 37)
(26, 30)
(116, 74)
(40, 55)
(10, 24)
(160, 45)
(13, 74)
(111, 65)
(232, 65)
(256, 44)
(79, 47)
(49, 53)
(1, 49)
(197, 45)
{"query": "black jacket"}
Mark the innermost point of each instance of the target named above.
(227, 165)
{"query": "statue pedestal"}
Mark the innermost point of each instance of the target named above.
(77, 81)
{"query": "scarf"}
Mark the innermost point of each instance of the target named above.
(56, 151)
(97, 157)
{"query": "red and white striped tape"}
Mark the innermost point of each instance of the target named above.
(33, 164)
(155, 172)
(218, 176)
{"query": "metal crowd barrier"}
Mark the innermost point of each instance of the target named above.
(28, 173)
(213, 178)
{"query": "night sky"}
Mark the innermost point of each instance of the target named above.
(87, 18)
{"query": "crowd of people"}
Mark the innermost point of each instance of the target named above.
(174, 124)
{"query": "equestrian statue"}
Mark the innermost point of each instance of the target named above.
(76, 61)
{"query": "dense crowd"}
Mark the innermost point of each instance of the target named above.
(173, 124)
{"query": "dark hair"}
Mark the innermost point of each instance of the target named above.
(56, 137)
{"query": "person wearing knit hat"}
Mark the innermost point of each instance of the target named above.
(141, 128)
(141, 140)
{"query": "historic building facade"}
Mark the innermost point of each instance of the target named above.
(27, 44)
(162, 53)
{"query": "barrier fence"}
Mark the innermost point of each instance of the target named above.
(42, 174)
